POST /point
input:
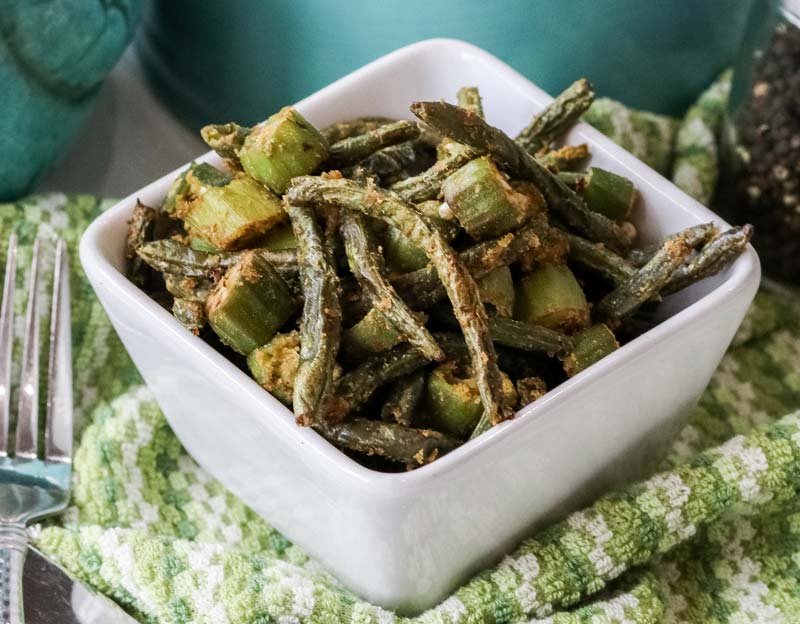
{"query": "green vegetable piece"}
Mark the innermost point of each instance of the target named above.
(352, 127)
(497, 289)
(413, 447)
(352, 150)
(279, 238)
(249, 304)
(470, 99)
(140, 231)
(196, 289)
(321, 323)
(190, 314)
(596, 257)
(428, 184)
(403, 399)
(696, 236)
(274, 366)
(391, 163)
(483, 201)
(372, 334)
(170, 256)
(403, 256)
(201, 244)
(551, 296)
(566, 158)
(227, 215)
(591, 345)
(530, 389)
(557, 117)
(465, 127)
(284, 146)
(605, 192)
(452, 404)
(226, 140)
(528, 337)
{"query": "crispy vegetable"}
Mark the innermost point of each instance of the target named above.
(190, 314)
(372, 334)
(321, 324)
(352, 127)
(530, 389)
(452, 403)
(566, 158)
(390, 163)
(461, 288)
(413, 447)
(249, 304)
(284, 146)
(557, 117)
(483, 201)
(605, 192)
(226, 140)
(197, 289)
(716, 256)
(403, 256)
(140, 231)
(403, 398)
(595, 256)
(552, 297)
(428, 184)
(696, 236)
(352, 150)
(274, 366)
(470, 98)
(170, 256)
(591, 345)
(366, 263)
(497, 290)
(528, 337)
(279, 238)
(465, 127)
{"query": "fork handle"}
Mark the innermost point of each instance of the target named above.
(13, 548)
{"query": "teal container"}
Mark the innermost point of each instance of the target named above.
(221, 60)
(53, 56)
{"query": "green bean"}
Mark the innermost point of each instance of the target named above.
(190, 288)
(352, 150)
(366, 263)
(528, 337)
(557, 117)
(140, 231)
(413, 447)
(170, 256)
(595, 256)
(428, 184)
(565, 158)
(388, 163)
(226, 140)
(713, 258)
(470, 99)
(466, 127)
(461, 288)
(190, 314)
(696, 236)
(352, 127)
(321, 323)
(403, 399)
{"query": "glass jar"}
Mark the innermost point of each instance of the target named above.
(761, 140)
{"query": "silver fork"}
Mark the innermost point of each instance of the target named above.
(33, 484)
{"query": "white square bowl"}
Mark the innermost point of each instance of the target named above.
(405, 540)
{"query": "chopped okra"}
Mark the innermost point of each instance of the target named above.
(403, 287)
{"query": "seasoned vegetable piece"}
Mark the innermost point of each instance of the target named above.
(189, 288)
(403, 256)
(140, 231)
(226, 140)
(284, 146)
(345, 129)
(696, 236)
(470, 98)
(170, 256)
(403, 398)
(279, 238)
(591, 345)
(461, 288)
(249, 304)
(647, 281)
(413, 447)
(497, 289)
(605, 192)
(529, 389)
(557, 117)
(366, 263)
(483, 201)
(551, 296)
(452, 404)
(567, 158)
(391, 163)
(372, 334)
(351, 150)
(321, 324)
(230, 215)
(595, 256)
(716, 256)
(190, 314)
(428, 184)
(528, 337)
(465, 127)
(274, 366)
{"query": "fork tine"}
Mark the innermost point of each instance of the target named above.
(7, 341)
(28, 413)
(58, 427)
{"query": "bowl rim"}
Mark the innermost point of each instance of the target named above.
(741, 275)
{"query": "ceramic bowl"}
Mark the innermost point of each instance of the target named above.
(405, 540)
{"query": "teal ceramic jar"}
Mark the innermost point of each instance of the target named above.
(220, 60)
(53, 56)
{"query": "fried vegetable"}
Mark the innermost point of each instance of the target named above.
(170, 256)
(140, 231)
(372, 334)
(465, 127)
(497, 290)
(528, 337)
(249, 304)
(403, 398)
(696, 236)
(353, 149)
(284, 146)
(551, 296)
(366, 263)
(190, 314)
(403, 256)
(461, 288)
(197, 289)
(605, 192)
(566, 158)
(483, 201)
(279, 238)
(352, 127)
(530, 389)
(413, 447)
(321, 323)
(274, 366)
(428, 184)
(557, 117)
(226, 140)
(596, 257)
(591, 345)
(391, 163)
